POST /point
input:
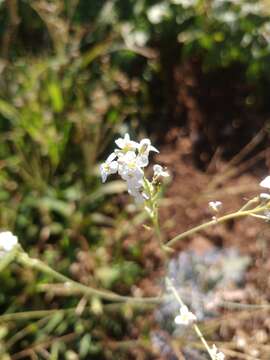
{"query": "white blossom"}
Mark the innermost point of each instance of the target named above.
(110, 166)
(133, 37)
(7, 241)
(265, 182)
(215, 205)
(216, 355)
(157, 12)
(264, 196)
(125, 144)
(159, 171)
(186, 317)
(144, 148)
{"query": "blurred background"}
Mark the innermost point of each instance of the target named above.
(194, 76)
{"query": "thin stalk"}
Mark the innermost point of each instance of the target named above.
(251, 202)
(25, 260)
(35, 314)
(195, 326)
(216, 221)
(157, 228)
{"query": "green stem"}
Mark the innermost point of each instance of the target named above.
(157, 227)
(220, 220)
(204, 342)
(25, 260)
(251, 202)
(35, 314)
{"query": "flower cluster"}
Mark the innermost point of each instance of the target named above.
(185, 317)
(129, 161)
(215, 354)
(7, 241)
(215, 205)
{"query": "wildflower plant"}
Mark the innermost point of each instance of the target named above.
(130, 160)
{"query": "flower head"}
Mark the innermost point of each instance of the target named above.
(157, 12)
(144, 149)
(7, 241)
(215, 354)
(110, 166)
(264, 196)
(159, 171)
(125, 144)
(215, 205)
(186, 317)
(129, 160)
(265, 182)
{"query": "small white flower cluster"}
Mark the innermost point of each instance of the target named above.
(185, 317)
(158, 12)
(215, 354)
(129, 162)
(7, 242)
(215, 205)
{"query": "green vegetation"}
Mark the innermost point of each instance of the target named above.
(74, 74)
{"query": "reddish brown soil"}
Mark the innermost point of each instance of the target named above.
(243, 333)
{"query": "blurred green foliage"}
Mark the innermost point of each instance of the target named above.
(75, 73)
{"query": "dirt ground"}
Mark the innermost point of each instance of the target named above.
(242, 332)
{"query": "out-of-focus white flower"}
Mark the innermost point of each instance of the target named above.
(159, 171)
(216, 355)
(125, 144)
(185, 3)
(186, 317)
(133, 37)
(215, 205)
(264, 196)
(110, 166)
(7, 241)
(255, 9)
(157, 12)
(265, 182)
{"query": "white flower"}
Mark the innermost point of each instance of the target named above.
(216, 355)
(265, 182)
(215, 205)
(157, 12)
(129, 166)
(143, 152)
(264, 196)
(108, 167)
(7, 241)
(125, 144)
(159, 171)
(186, 317)
(134, 37)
